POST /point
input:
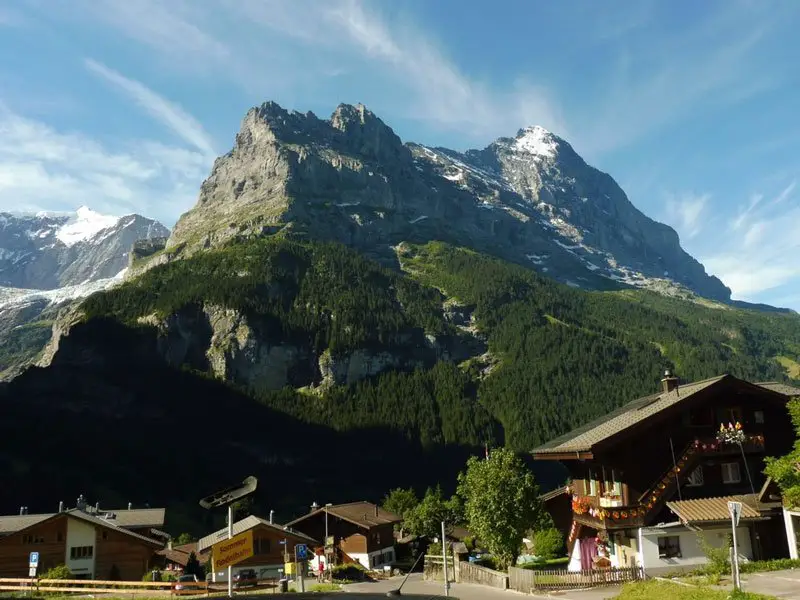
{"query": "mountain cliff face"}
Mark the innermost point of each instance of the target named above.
(50, 251)
(531, 200)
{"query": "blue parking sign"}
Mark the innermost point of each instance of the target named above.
(301, 550)
(33, 560)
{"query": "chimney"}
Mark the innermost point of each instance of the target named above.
(61, 506)
(314, 506)
(669, 383)
(81, 504)
(130, 505)
(22, 510)
(169, 544)
(271, 517)
(376, 510)
(96, 507)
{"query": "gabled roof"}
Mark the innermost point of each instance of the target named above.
(180, 554)
(781, 388)
(710, 510)
(13, 523)
(135, 518)
(584, 438)
(246, 524)
(364, 514)
(21, 523)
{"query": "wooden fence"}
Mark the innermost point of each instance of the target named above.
(529, 581)
(94, 586)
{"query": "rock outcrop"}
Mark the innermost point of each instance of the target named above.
(530, 199)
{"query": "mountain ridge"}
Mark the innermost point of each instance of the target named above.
(530, 199)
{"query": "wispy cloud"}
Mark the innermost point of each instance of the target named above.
(45, 169)
(685, 213)
(168, 113)
(759, 252)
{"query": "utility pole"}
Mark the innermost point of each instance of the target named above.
(735, 508)
(230, 535)
(444, 563)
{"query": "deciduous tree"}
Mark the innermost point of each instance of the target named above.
(500, 502)
(785, 470)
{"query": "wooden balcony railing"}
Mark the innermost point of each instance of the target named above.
(589, 510)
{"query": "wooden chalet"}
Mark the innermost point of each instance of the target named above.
(361, 531)
(272, 544)
(176, 557)
(652, 476)
(92, 543)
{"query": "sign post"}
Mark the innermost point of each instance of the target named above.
(300, 555)
(33, 564)
(227, 497)
(735, 508)
(444, 563)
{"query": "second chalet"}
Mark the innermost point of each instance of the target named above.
(651, 481)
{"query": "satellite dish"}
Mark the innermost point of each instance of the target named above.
(230, 494)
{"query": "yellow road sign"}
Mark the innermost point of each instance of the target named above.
(232, 551)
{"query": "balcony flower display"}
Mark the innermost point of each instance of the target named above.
(732, 434)
(581, 505)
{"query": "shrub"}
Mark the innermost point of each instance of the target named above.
(349, 572)
(779, 564)
(548, 543)
(59, 572)
(718, 558)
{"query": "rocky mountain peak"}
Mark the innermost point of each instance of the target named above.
(536, 141)
(531, 199)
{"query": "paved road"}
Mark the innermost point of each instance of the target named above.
(464, 591)
(781, 584)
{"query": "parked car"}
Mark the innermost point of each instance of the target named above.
(183, 580)
(245, 577)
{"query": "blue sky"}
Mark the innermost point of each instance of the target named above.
(122, 105)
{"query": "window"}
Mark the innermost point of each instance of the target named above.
(669, 547)
(696, 478)
(758, 416)
(81, 552)
(32, 539)
(261, 546)
(729, 415)
(730, 473)
(592, 487)
(700, 417)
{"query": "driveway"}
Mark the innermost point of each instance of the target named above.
(781, 584)
(465, 591)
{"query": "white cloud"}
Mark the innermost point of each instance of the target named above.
(161, 109)
(45, 169)
(686, 212)
(759, 252)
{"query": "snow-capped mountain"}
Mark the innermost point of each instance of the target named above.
(586, 212)
(48, 260)
(48, 251)
(529, 199)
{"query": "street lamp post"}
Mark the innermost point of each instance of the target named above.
(325, 543)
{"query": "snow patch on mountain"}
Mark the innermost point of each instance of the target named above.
(537, 141)
(14, 296)
(84, 226)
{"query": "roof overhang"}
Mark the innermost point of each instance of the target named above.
(577, 455)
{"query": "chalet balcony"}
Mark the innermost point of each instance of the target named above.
(588, 510)
(608, 512)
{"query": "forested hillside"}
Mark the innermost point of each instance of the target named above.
(557, 357)
(397, 373)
